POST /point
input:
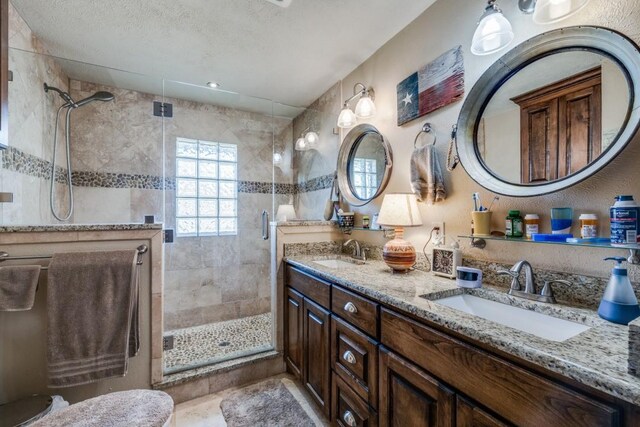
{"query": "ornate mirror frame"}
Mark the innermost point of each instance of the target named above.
(613, 45)
(345, 156)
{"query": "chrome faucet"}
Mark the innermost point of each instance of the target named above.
(358, 252)
(530, 292)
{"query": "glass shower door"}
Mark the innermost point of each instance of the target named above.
(219, 179)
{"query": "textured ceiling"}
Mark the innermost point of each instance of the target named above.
(288, 54)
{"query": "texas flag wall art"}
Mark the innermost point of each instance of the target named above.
(435, 85)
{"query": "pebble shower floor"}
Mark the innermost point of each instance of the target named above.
(216, 342)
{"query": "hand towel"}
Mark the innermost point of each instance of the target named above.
(427, 181)
(91, 310)
(18, 284)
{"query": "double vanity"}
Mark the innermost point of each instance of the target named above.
(373, 348)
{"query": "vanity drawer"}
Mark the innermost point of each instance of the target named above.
(348, 410)
(354, 358)
(356, 310)
(516, 394)
(311, 287)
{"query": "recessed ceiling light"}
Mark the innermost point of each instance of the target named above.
(281, 3)
(213, 85)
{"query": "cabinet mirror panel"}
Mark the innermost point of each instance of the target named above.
(551, 112)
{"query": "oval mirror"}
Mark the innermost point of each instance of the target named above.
(551, 112)
(364, 165)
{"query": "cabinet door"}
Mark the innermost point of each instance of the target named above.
(470, 415)
(293, 323)
(348, 409)
(410, 397)
(315, 366)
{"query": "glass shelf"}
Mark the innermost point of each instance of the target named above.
(587, 244)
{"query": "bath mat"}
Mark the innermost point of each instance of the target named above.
(268, 403)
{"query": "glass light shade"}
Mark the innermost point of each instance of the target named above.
(494, 33)
(277, 159)
(301, 144)
(549, 11)
(365, 108)
(311, 138)
(285, 213)
(399, 210)
(347, 118)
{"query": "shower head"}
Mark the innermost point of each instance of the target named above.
(98, 96)
(63, 95)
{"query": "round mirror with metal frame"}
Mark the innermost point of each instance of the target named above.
(364, 165)
(610, 45)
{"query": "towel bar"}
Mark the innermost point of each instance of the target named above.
(4, 256)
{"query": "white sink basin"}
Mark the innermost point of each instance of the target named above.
(541, 325)
(335, 263)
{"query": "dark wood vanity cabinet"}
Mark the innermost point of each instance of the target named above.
(306, 335)
(367, 365)
(411, 397)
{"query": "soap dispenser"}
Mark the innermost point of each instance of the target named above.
(619, 303)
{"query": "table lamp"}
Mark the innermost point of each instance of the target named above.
(285, 213)
(399, 211)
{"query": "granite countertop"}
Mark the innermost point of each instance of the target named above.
(77, 227)
(596, 357)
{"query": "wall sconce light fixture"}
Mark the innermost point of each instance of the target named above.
(365, 108)
(493, 33)
(308, 140)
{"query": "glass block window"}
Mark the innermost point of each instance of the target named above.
(365, 177)
(206, 188)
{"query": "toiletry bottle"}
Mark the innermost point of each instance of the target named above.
(619, 303)
(625, 221)
(588, 226)
(531, 225)
(514, 224)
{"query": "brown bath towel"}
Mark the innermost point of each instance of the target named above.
(92, 325)
(18, 284)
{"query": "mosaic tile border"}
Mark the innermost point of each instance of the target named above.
(314, 184)
(16, 160)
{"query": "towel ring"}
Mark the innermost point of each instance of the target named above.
(426, 128)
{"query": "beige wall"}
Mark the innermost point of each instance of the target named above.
(451, 22)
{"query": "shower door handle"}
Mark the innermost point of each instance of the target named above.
(265, 225)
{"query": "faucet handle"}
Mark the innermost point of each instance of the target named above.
(515, 283)
(547, 290)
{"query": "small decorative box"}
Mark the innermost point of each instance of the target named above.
(444, 262)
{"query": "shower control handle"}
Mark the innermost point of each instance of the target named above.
(350, 308)
(349, 357)
(349, 419)
(265, 225)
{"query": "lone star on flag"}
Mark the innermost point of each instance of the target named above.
(407, 98)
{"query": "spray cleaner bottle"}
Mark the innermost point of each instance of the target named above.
(619, 303)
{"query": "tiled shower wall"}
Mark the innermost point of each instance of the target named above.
(207, 279)
(31, 123)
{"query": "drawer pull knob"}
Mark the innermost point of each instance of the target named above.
(350, 307)
(349, 419)
(349, 357)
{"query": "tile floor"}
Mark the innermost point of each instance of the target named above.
(205, 411)
(215, 342)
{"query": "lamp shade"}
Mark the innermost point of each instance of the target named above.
(399, 210)
(301, 144)
(494, 33)
(365, 108)
(347, 118)
(311, 139)
(549, 11)
(285, 213)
